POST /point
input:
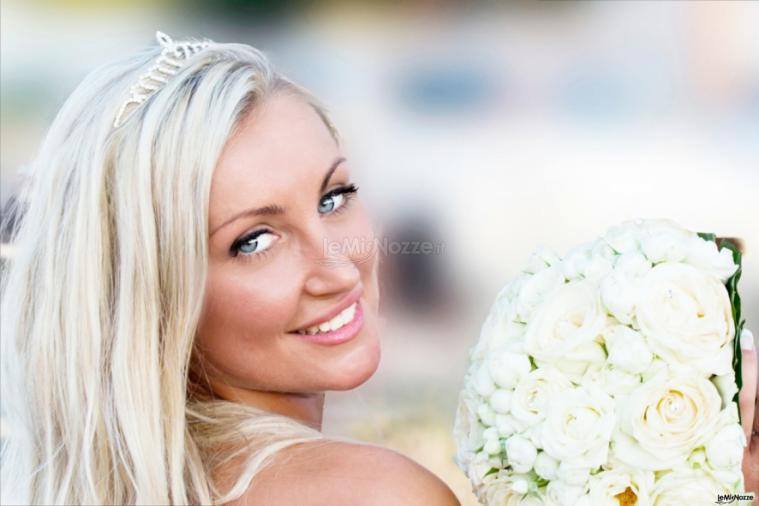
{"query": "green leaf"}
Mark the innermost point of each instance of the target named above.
(735, 302)
(492, 470)
(707, 236)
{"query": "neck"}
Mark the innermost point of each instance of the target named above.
(307, 408)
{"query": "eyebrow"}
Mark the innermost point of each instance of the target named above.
(275, 209)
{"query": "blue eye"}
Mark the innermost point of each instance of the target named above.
(336, 199)
(255, 243)
(330, 203)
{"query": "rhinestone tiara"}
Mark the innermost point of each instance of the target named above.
(172, 57)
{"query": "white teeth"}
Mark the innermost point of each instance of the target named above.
(335, 323)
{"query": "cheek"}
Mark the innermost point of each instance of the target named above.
(243, 320)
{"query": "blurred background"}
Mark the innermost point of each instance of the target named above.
(484, 128)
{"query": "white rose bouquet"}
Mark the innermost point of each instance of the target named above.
(609, 376)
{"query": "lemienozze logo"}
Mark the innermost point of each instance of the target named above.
(731, 498)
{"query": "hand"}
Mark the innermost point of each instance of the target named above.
(749, 406)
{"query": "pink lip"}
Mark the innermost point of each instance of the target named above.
(341, 335)
(346, 301)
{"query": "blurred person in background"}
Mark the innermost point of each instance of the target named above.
(172, 315)
(416, 283)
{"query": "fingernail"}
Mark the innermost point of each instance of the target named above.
(747, 340)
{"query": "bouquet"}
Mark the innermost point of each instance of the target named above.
(609, 376)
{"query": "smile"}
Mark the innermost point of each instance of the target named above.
(339, 321)
(339, 329)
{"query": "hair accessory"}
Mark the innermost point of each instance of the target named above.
(172, 57)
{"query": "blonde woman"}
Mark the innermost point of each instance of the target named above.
(179, 299)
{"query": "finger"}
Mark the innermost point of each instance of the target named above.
(747, 396)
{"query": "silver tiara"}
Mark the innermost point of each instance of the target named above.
(172, 57)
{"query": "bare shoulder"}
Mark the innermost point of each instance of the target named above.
(342, 473)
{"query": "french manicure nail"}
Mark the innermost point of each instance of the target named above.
(747, 340)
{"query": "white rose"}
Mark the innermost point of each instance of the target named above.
(546, 466)
(705, 255)
(527, 500)
(568, 322)
(581, 360)
(618, 288)
(509, 293)
(478, 467)
(601, 263)
(608, 487)
(498, 331)
(500, 401)
(467, 430)
(486, 414)
(533, 394)
(612, 380)
(686, 486)
(541, 259)
(632, 264)
(577, 260)
(725, 449)
(726, 386)
(663, 226)
(561, 494)
(686, 315)
(507, 368)
(578, 427)
(507, 425)
(483, 382)
(664, 248)
(623, 237)
(665, 419)
(521, 485)
(627, 349)
(618, 294)
(573, 473)
(590, 260)
(535, 434)
(664, 241)
(657, 367)
(507, 489)
(520, 453)
(492, 444)
(535, 289)
(731, 479)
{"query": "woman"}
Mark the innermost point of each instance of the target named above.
(179, 298)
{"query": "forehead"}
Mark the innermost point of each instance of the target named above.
(282, 143)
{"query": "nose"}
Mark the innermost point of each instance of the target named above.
(331, 269)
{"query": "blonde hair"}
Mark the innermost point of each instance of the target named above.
(101, 299)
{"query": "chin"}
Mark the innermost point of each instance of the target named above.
(356, 367)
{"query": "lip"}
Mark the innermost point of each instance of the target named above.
(341, 335)
(351, 297)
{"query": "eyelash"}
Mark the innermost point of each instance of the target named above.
(349, 191)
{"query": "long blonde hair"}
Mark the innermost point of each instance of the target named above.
(103, 293)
